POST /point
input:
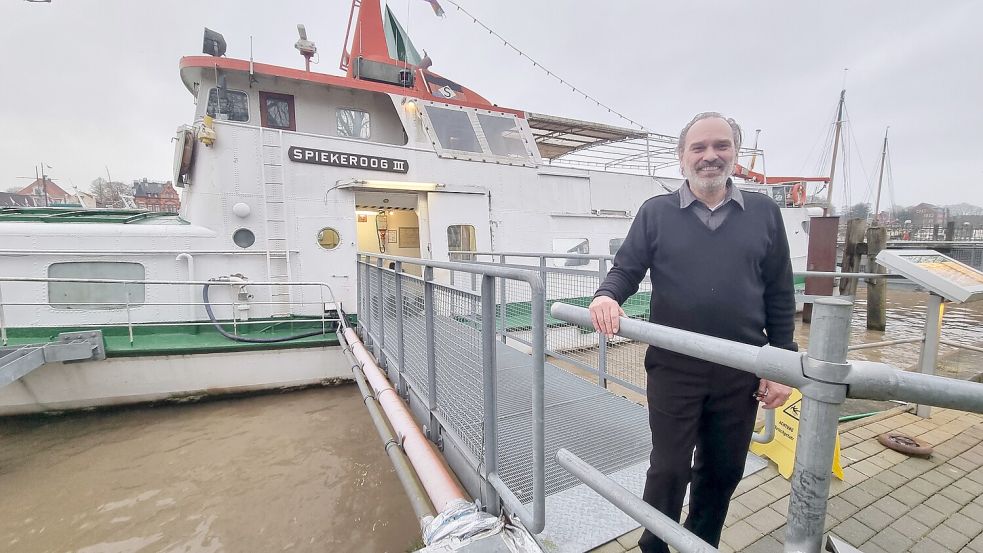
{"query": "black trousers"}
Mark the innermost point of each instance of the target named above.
(710, 408)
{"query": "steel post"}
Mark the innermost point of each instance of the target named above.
(489, 382)
(503, 304)
(380, 347)
(821, 399)
(930, 347)
(429, 340)
(367, 305)
(3, 321)
(400, 352)
(602, 340)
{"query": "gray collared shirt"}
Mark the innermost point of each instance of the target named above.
(712, 218)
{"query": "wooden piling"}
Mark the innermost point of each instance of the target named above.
(821, 257)
(876, 288)
(853, 252)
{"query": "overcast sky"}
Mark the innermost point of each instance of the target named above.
(91, 84)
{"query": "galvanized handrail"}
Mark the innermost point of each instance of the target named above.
(824, 376)
(495, 488)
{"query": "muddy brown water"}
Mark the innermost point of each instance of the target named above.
(301, 471)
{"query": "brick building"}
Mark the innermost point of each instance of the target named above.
(155, 196)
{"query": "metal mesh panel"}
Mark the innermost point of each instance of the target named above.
(390, 338)
(607, 431)
(374, 303)
(574, 289)
(414, 336)
(458, 353)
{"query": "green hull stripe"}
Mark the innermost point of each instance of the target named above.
(187, 339)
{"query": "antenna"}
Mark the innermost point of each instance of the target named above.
(306, 47)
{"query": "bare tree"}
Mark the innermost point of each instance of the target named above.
(13, 189)
(109, 194)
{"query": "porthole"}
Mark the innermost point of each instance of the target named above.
(328, 238)
(243, 238)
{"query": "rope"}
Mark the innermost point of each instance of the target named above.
(548, 72)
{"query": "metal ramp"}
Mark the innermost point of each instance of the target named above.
(603, 428)
(17, 361)
(441, 347)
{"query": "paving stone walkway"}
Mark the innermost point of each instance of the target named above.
(886, 503)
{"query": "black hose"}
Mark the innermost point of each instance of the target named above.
(222, 331)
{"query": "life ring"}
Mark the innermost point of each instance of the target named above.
(798, 194)
(905, 444)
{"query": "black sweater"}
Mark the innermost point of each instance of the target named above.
(734, 282)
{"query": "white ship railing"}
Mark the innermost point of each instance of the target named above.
(326, 299)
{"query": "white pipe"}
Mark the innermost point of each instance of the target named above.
(185, 256)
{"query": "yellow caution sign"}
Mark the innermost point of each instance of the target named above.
(781, 449)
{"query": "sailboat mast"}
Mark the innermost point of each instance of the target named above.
(836, 146)
(880, 178)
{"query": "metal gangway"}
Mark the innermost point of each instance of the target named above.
(467, 346)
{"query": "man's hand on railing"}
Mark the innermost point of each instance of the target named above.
(604, 313)
(772, 394)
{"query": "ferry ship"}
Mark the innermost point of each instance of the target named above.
(286, 174)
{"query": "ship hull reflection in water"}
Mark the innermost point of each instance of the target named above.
(303, 471)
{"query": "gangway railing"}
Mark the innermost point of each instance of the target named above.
(825, 377)
(573, 278)
(438, 342)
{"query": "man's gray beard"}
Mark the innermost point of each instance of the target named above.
(708, 185)
(711, 185)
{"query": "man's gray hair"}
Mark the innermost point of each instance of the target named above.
(709, 115)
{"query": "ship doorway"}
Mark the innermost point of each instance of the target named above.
(388, 223)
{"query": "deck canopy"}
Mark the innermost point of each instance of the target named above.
(587, 144)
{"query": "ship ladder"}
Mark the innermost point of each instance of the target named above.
(274, 203)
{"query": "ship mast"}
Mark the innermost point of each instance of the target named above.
(880, 179)
(836, 146)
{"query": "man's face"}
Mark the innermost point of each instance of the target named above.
(708, 155)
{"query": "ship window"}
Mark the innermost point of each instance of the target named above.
(353, 123)
(502, 135)
(96, 295)
(453, 129)
(243, 238)
(277, 111)
(328, 238)
(461, 238)
(230, 105)
(615, 244)
(571, 245)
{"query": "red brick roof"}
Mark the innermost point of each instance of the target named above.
(52, 189)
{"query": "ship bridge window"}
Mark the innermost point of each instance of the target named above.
(353, 123)
(228, 105)
(277, 111)
(502, 135)
(453, 129)
(96, 295)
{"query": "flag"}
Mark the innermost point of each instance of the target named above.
(436, 8)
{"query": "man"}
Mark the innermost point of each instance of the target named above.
(719, 264)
